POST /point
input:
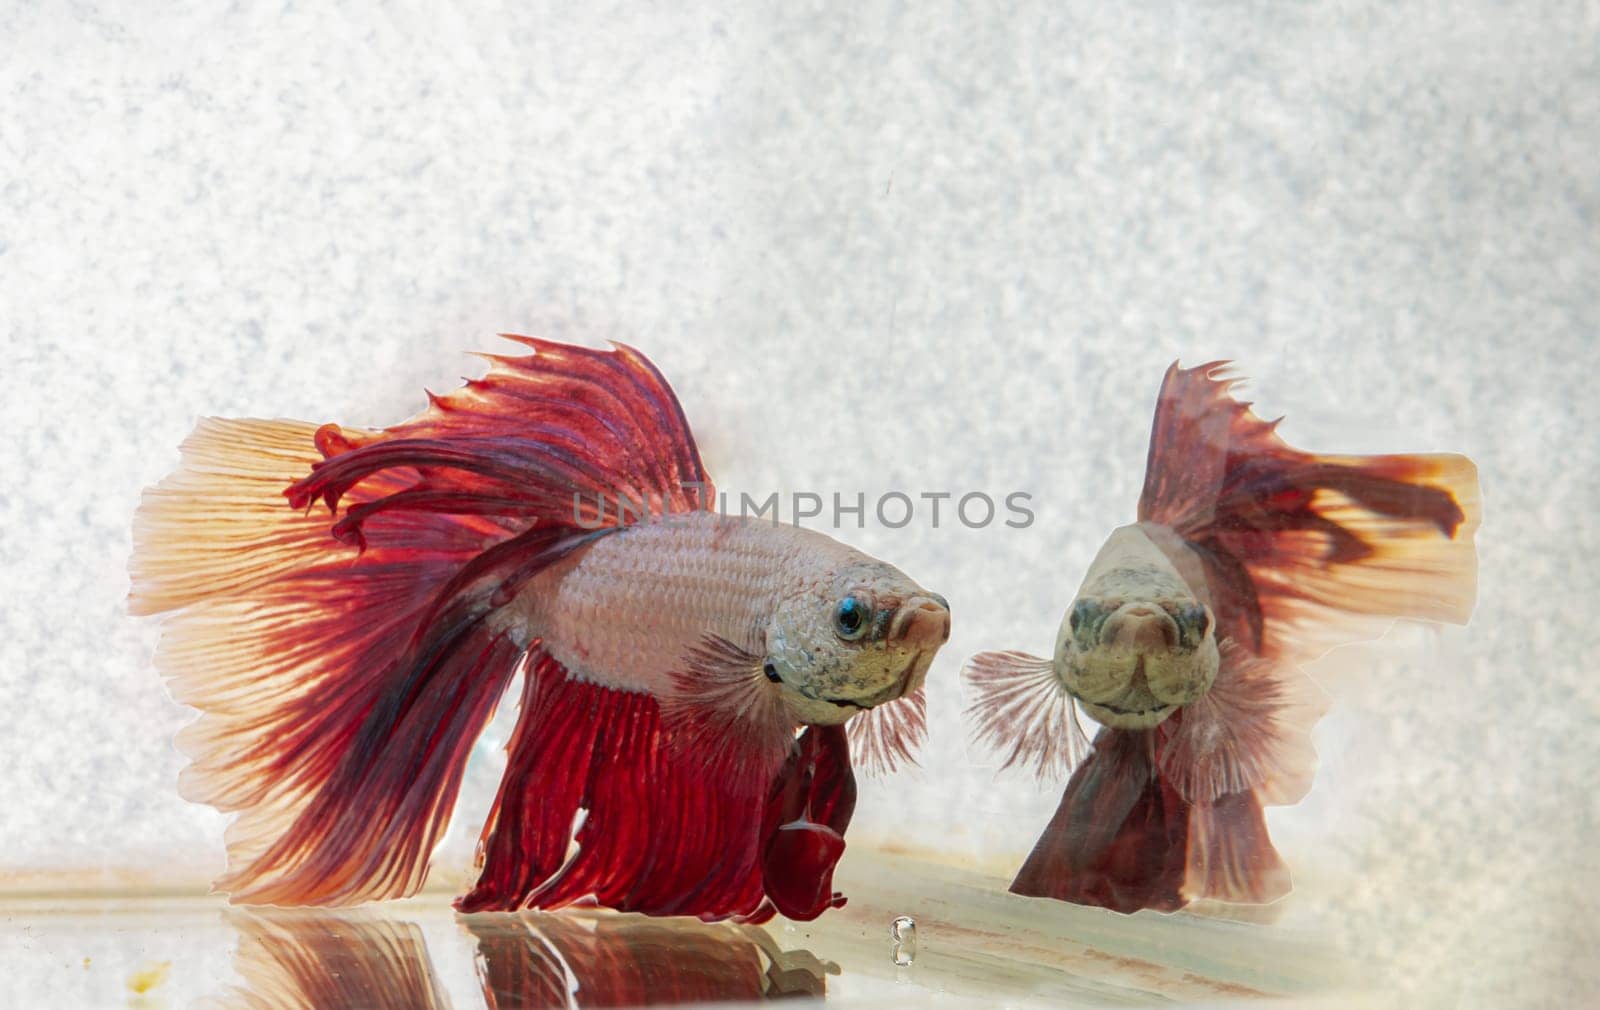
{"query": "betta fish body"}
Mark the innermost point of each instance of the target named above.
(681, 745)
(1249, 558)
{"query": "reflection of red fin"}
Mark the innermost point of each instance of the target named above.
(888, 736)
(657, 835)
(520, 967)
(332, 962)
(534, 961)
(343, 665)
(1118, 838)
(1230, 856)
(1021, 710)
(1295, 545)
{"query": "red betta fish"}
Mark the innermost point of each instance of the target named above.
(1249, 557)
(687, 677)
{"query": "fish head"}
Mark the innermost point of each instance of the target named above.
(853, 638)
(1133, 662)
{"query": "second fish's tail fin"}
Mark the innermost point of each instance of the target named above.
(1299, 549)
(345, 659)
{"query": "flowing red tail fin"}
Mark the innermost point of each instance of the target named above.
(1305, 551)
(1301, 552)
(343, 666)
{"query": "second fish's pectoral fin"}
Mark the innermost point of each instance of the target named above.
(1021, 711)
(1298, 548)
(888, 736)
(1118, 837)
(1250, 733)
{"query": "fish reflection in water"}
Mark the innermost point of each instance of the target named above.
(346, 961)
(333, 960)
(549, 960)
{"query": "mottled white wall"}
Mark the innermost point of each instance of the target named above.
(915, 249)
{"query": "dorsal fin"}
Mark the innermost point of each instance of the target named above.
(1299, 547)
(556, 436)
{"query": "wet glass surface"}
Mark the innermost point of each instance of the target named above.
(976, 946)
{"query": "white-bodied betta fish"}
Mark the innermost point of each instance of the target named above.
(1249, 558)
(350, 605)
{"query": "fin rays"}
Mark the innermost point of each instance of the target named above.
(887, 737)
(343, 665)
(1020, 709)
(1306, 551)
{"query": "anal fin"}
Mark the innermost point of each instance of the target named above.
(658, 835)
(1230, 857)
(1118, 838)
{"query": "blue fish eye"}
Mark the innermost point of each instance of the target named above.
(850, 619)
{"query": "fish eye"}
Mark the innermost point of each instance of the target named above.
(1080, 610)
(1198, 617)
(850, 619)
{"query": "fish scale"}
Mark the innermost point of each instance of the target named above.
(626, 611)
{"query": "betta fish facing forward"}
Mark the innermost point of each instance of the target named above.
(350, 605)
(1249, 557)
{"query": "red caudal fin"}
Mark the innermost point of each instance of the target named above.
(1118, 838)
(598, 806)
(345, 659)
(1297, 547)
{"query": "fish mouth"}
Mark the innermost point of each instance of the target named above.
(1140, 700)
(1130, 711)
(921, 619)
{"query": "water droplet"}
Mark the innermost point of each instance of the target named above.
(903, 931)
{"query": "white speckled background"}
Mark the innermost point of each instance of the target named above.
(916, 249)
